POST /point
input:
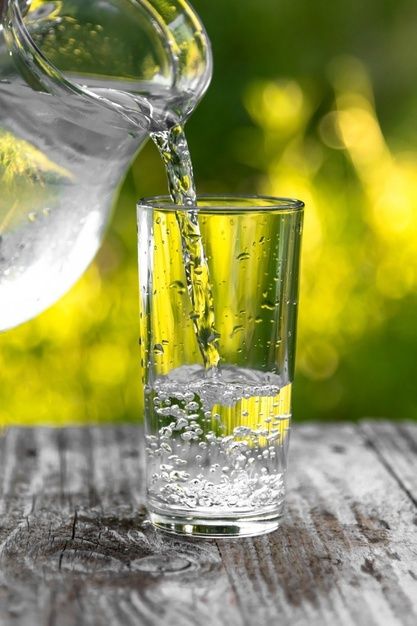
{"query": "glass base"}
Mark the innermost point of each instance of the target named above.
(216, 527)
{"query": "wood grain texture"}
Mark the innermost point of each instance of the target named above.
(347, 550)
(76, 548)
(396, 446)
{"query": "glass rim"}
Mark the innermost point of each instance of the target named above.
(226, 203)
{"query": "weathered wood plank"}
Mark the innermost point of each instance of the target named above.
(76, 548)
(346, 552)
(396, 445)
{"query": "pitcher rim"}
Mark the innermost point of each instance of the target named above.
(59, 76)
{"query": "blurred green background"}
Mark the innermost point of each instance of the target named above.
(312, 100)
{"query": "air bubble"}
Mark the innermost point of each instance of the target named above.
(179, 475)
(242, 431)
(182, 423)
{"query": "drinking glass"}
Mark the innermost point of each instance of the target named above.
(216, 435)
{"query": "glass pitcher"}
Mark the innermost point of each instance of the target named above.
(82, 83)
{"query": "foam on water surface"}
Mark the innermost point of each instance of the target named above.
(224, 385)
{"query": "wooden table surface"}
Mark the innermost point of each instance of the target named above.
(76, 548)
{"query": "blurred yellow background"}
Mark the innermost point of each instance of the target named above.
(326, 111)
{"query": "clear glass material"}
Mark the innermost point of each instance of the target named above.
(216, 438)
(82, 83)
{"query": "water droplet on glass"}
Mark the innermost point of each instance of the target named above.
(236, 329)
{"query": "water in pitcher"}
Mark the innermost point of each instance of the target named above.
(59, 191)
(68, 135)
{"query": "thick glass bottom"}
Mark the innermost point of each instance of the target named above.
(215, 527)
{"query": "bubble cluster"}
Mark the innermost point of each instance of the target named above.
(218, 445)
